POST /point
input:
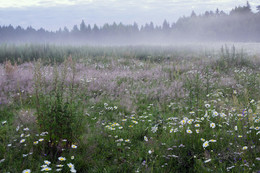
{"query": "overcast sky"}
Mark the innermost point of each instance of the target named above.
(53, 14)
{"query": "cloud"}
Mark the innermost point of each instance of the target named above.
(145, 4)
(40, 3)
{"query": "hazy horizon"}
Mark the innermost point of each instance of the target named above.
(55, 14)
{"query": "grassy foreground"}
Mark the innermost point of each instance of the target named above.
(128, 109)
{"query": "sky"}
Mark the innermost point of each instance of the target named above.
(55, 14)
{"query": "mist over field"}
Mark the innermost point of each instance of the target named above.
(241, 24)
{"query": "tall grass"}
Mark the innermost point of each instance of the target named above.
(129, 110)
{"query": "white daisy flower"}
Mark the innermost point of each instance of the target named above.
(74, 146)
(70, 165)
(197, 125)
(189, 131)
(47, 162)
(215, 114)
(26, 171)
(244, 148)
(212, 125)
(205, 144)
(22, 141)
(62, 158)
(46, 169)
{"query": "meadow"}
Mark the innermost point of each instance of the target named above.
(129, 109)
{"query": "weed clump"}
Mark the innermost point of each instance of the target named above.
(57, 111)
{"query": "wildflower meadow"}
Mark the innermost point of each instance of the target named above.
(129, 109)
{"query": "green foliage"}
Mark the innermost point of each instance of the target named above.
(58, 114)
(229, 59)
(153, 135)
(193, 85)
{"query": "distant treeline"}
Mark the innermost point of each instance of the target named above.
(240, 25)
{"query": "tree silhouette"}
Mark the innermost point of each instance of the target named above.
(83, 27)
(241, 24)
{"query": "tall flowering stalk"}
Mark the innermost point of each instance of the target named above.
(57, 112)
